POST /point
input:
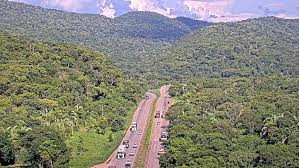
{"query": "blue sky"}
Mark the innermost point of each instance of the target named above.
(210, 10)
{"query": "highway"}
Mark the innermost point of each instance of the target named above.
(140, 116)
(152, 158)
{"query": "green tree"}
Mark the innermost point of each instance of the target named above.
(45, 148)
(117, 124)
(7, 152)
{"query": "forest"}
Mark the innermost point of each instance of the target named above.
(254, 47)
(127, 39)
(70, 82)
(236, 122)
(49, 92)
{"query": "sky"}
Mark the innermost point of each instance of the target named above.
(208, 10)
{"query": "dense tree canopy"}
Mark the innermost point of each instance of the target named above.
(59, 88)
(255, 47)
(126, 39)
(234, 87)
(7, 155)
(240, 122)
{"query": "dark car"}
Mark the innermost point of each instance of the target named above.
(126, 143)
(128, 164)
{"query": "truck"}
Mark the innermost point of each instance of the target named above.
(126, 143)
(164, 136)
(134, 126)
(121, 154)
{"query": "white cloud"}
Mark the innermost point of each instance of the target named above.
(70, 5)
(205, 9)
(209, 10)
(149, 5)
(106, 8)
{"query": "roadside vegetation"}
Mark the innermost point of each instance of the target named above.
(235, 88)
(237, 122)
(90, 148)
(57, 93)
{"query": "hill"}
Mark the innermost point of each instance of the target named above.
(56, 93)
(235, 122)
(255, 47)
(126, 39)
(149, 25)
(193, 24)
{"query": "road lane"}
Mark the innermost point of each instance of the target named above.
(152, 158)
(140, 116)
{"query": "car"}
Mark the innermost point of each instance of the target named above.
(128, 164)
(139, 133)
(135, 146)
(158, 123)
(126, 143)
(164, 145)
(131, 154)
(161, 151)
(163, 137)
(146, 96)
(133, 126)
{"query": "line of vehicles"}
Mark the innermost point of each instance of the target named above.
(163, 135)
(121, 151)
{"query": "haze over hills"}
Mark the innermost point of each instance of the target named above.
(125, 39)
(255, 47)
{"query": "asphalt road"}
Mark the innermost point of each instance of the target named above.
(152, 158)
(140, 116)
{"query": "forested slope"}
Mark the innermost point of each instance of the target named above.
(49, 92)
(237, 122)
(126, 39)
(255, 47)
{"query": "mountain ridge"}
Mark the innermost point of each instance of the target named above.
(261, 46)
(118, 38)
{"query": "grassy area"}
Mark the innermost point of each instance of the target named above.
(146, 139)
(89, 148)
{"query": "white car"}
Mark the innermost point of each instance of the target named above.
(135, 146)
(139, 133)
